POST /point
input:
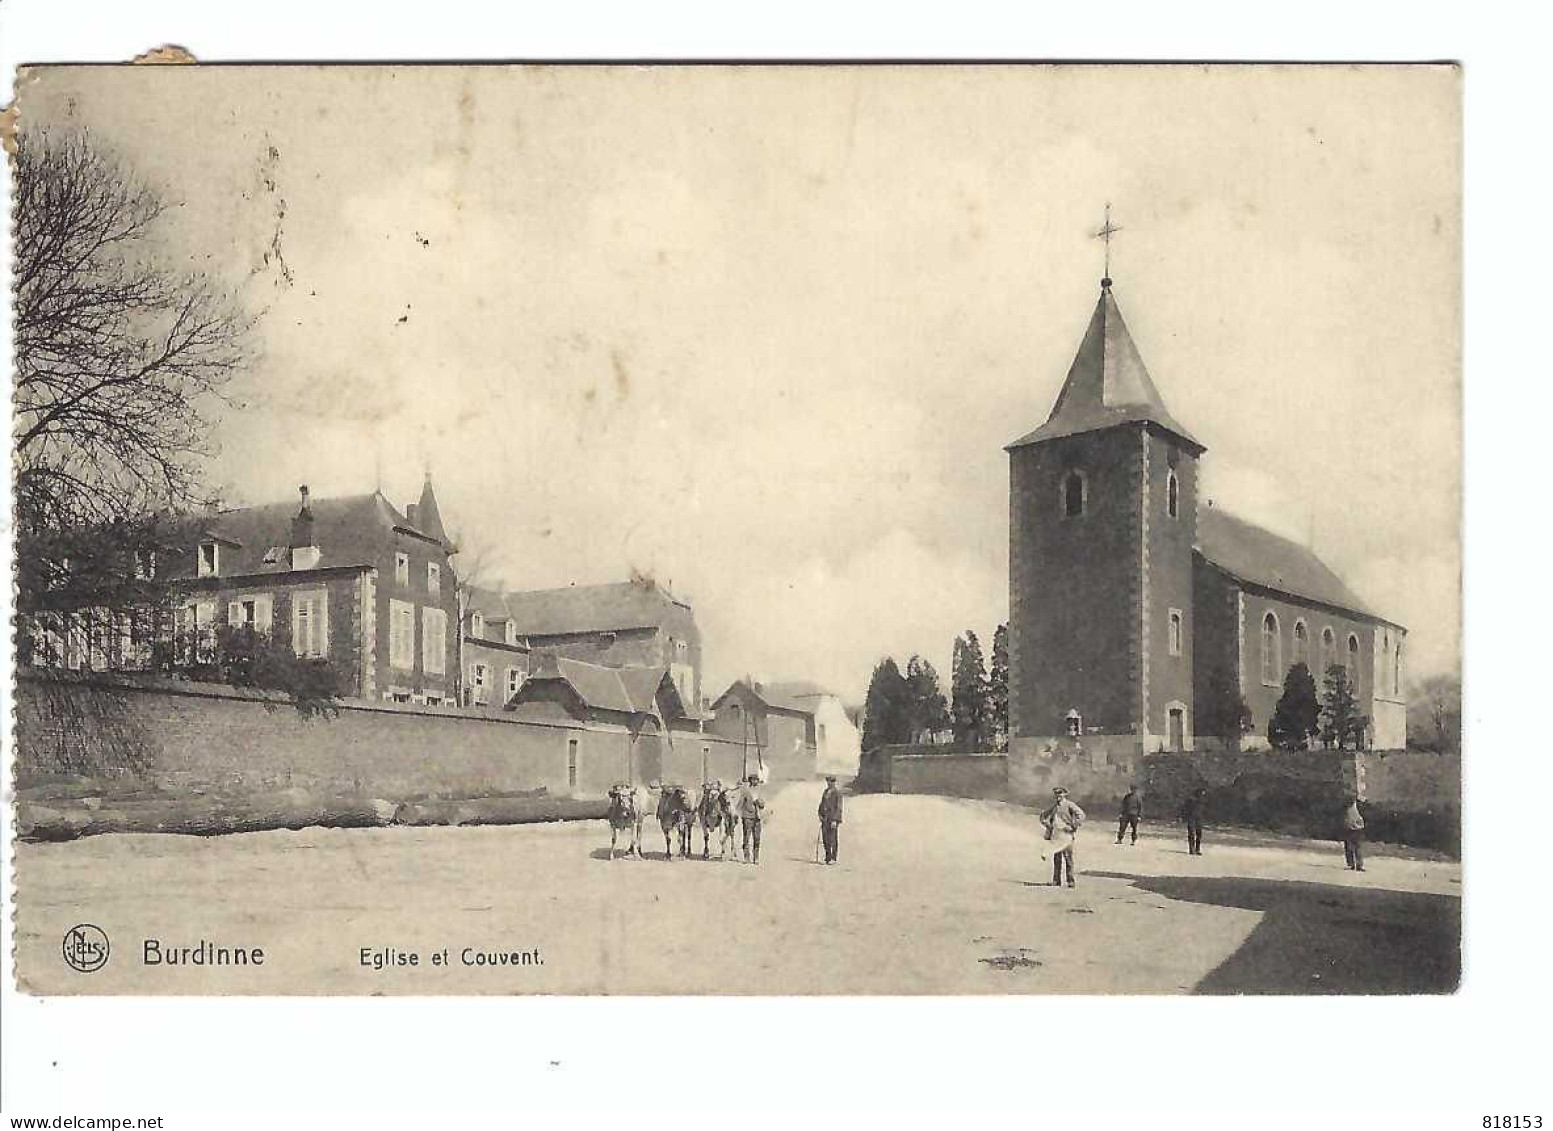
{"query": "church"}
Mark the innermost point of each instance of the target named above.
(1140, 618)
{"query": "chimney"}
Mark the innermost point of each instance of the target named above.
(409, 513)
(304, 549)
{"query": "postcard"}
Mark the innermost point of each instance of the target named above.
(894, 529)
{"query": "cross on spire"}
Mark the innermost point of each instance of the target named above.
(1105, 234)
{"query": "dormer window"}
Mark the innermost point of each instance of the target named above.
(433, 577)
(402, 569)
(476, 624)
(210, 559)
(274, 555)
(1075, 722)
(145, 564)
(511, 632)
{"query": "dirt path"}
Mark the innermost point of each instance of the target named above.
(932, 895)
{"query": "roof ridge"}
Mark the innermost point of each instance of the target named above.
(1251, 552)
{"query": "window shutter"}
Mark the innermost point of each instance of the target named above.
(434, 633)
(263, 612)
(300, 625)
(234, 613)
(321, 624)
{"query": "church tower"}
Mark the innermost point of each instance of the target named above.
(1102, 521)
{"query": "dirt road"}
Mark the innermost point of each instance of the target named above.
(932, 895)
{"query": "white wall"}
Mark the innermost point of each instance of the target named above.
(839, 751)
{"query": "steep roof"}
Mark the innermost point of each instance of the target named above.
(489, 603)
(428, 518)
(626, 690)
(796, 697)
(592, 608)
(1107, 384)
(349, 531)
(1260, 557)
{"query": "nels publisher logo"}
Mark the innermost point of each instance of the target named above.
(85, 948)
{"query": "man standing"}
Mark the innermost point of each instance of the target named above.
(1062, 823)
(1132, 810)
(752, 810)
(830, 817)
(1353, 835)
(1192, 814)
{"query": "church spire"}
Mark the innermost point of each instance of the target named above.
(1107, 384)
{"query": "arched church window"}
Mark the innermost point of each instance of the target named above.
(1328, 652)
(1353, 662)
(1175, 632)
(1301, 644)
(1272, 662)
(1074, 492)
(1396, 670)
(1173, 495)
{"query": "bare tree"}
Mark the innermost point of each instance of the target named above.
(474, 570)
(119, 363)
(119, 360)
(1434, 714)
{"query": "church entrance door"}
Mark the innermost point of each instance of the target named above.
(1177, 729)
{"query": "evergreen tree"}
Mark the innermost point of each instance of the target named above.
(885, 719)
(1224, 713)
(1341, 721)
(969, 690)
(997, 689)
(1295, 719)
(926, 708)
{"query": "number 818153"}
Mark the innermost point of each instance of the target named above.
(1512, 1122)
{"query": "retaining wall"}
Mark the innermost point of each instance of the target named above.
(955, 775)
(1406, 797)
(204, 738)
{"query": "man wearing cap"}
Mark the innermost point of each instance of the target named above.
(752, 810)
(1062, 823)
(830, 817)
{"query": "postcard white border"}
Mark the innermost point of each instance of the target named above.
(1473, 1052)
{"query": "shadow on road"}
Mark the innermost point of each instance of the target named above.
(656, 854)
(1325, 939)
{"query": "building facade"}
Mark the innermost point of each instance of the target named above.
(636, 623)
(1129, 602)
(495, 659)
(623, 724)
(779, 728)
(350, 580)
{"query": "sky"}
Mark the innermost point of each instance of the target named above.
(762, 334)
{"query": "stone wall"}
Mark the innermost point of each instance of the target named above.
(953, 775)
(203, 738)
(1407, 798)
(1074, 585)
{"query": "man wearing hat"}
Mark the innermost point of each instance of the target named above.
(752, 810)
(1062, 823)
(830, 817)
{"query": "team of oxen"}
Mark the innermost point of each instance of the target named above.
(716, 809)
